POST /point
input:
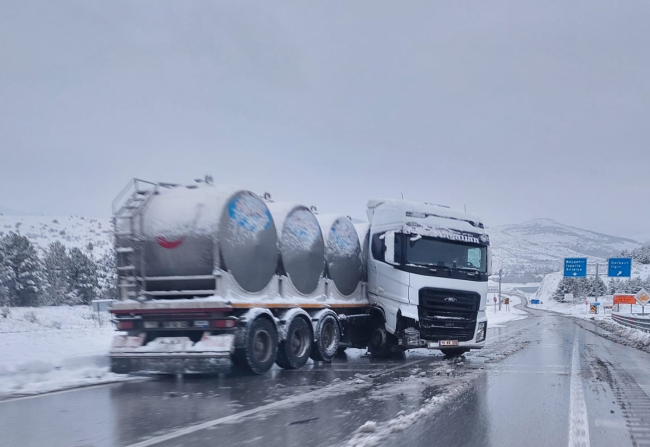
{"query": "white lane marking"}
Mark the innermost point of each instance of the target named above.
(578, 422)
(514, 371)
(609, 423)
(307, 397)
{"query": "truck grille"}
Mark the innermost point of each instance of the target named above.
(448, 314)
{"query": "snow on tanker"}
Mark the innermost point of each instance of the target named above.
(212, 276)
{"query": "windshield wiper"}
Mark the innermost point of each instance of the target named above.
(435, 268)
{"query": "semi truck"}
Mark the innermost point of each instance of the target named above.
(212, 277)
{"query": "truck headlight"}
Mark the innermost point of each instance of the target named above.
(480, 334)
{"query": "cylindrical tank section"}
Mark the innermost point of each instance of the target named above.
(248, 241)
(342, 252)
(301, 244)
(363, 231)
(184, 229)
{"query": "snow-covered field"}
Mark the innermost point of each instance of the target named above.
(51, 348)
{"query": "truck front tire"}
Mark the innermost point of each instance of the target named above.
(294, 351)
(381, 342)
(260, 347)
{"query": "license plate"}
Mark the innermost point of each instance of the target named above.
(175, 324)
(448, 342)
(168, 344)
(121, 342)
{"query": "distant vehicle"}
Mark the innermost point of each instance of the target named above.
(210, 276)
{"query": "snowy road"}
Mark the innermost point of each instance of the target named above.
(545, 380)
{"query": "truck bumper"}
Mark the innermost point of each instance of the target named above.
(477, 342)
(171, 355)
(177, 363)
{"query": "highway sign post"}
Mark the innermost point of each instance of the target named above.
(575, 267)
(619, 267)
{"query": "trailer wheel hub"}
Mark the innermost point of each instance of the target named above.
(298, 343)
(262, 346)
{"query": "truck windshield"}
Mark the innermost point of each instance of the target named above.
(442, 253)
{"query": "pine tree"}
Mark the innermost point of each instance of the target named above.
(56, 270)
(641, 254)
(582, 287)
(7, 277)
(634, 285)
(565, 286)
(596, 287)
(22, 270)
(613, 286)
(82, 273)
(107, 276)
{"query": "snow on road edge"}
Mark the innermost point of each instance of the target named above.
(50, 349)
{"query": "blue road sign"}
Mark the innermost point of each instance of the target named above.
(596, 304)
(534, 301)
(575, 267)
(620, 267)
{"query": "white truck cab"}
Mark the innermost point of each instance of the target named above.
(427, 273)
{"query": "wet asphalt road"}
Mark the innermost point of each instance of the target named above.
(561, 377)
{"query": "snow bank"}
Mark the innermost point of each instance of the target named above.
(496, 317)
(51, 348)
(548, 286)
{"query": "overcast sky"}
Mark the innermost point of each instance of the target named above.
(516, 109)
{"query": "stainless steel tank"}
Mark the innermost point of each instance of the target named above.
(301, 244)
(183, 229)
(342, 252)
(363, 231)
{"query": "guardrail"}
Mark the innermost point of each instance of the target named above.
(632, 321)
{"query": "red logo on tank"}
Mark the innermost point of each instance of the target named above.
(164, 243)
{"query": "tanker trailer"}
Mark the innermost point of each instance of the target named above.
(203, 282)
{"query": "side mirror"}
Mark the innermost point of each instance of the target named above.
(389, 243)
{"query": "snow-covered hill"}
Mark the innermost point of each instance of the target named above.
(540, 245)
(92, 235)
(535, 247)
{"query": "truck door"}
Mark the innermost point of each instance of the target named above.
(387, 286)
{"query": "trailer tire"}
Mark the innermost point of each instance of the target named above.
(260, 347)
(381, 342)
(454, 352)
(294, 352)
(326, 338)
